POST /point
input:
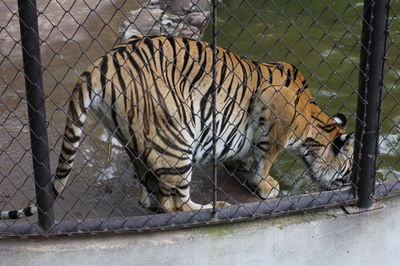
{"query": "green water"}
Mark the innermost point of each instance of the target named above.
(322, 38)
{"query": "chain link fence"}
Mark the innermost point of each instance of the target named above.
(107, 192)
(387, 168)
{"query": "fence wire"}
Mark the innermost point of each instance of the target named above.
(106, 192)
(389, 141)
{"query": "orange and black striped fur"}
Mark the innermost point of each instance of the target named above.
(154, 94)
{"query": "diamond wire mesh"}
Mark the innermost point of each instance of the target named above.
(322, 39)
(389, 141)
(306, 54)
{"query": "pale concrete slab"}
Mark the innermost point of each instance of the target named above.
(328, 237)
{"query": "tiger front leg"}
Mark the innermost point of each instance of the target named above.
(261, 182)
(266, 188)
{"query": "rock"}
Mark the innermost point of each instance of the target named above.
(190, 32)
(141, 21)
(185, 18)
(197, 19)
(183, 7)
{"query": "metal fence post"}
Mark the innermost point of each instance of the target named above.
(214, 111)
(36, 110)
(372, 58)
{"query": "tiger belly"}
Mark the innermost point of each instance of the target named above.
(233, 141)
(234, 135)
(231, 144)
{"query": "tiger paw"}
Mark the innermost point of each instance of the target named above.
(220, 204)
(267, 189)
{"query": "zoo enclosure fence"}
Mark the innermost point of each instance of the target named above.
(364, 189)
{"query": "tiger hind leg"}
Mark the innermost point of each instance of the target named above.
(174, 177)
(148, 200)
(178, 199)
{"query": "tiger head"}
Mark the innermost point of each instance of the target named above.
(329, 156)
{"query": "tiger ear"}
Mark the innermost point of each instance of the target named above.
(341, 141)
(340, 119)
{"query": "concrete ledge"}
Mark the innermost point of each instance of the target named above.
(328, 237)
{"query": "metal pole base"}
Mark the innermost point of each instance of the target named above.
(356, 210)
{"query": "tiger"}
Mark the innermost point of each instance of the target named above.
(155, 95)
